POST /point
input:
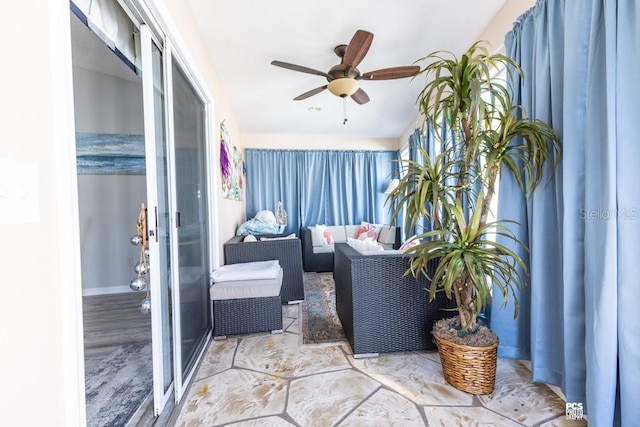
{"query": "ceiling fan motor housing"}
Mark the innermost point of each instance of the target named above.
(344, 78)
(341, 71)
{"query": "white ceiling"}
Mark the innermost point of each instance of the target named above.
(243, 37)
(90, 52)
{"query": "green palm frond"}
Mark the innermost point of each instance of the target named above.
(489, 134)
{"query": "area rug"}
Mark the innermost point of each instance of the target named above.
(117, 386)
(320, 322)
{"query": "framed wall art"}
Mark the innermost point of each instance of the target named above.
(110, 154)
(231, 166)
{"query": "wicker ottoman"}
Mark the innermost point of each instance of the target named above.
(247, 298)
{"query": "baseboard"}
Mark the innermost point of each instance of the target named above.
(106, 290)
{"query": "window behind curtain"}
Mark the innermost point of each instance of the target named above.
(332, 187)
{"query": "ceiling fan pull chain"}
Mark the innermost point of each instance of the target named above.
(344, 110)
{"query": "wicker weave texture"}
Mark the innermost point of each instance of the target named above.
(312, 261)
(470, 369)
(381, 311)
(287, 251)
(246, 316)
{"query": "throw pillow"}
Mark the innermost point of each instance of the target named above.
(410, 243)
(249, 238)
(266, 215)
(368, 231)
(363, 246)
(327, 237)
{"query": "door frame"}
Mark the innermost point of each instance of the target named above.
(155, 284)
(145, 12)
(164, 34)
(171, 55)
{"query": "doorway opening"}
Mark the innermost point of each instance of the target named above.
(111, 187)
(141, 141)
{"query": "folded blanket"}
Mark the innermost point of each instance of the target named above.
(259, 226)
(247, 271)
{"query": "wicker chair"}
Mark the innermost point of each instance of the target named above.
(323, 262)
(287, 251)
(382, 310)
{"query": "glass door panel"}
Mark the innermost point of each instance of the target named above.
(158, 218)
(193, 302)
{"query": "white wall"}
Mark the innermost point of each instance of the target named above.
(229, 213)
(109, 208)
(502, 23)
(109, 204)
(107, 104)
(494, 34)
(41, 364)
(315, 142)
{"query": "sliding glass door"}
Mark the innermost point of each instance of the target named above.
(191, 299)
(175, 137)
(175, 129)
(159, 219)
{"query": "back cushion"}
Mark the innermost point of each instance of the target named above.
(352, 230)
(368, 231)
(387, 235)
(316, 236)
(321, 236)
(338, 233)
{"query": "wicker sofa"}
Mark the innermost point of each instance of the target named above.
(287, 251)
(319, 258)
(382, 310)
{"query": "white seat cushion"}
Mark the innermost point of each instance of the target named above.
(247, 271)
(323, 249)
(242, 289)
(365, 246)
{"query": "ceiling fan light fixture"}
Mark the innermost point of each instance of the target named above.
(343, 87)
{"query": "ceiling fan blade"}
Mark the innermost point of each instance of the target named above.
(300, 68)
(392, 73)
(357, 48)
(310, 93)
(360, 96)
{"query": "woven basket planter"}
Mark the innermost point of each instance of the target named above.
(470, 369)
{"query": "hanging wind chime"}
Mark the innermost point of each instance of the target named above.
(139, 284)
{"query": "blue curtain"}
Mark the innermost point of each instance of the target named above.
(274, 178)
(578, 316)
(320, 187)
(426, 141)
(432, 139)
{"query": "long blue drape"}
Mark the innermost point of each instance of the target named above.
(432, 140)
(427, 141)
(320, 187)
(578, 316)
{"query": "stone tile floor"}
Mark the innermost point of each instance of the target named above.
(274, 380)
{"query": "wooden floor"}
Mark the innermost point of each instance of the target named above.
(110, 321)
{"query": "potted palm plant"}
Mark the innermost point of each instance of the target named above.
(480, 133)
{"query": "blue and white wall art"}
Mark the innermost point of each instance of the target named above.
(110, 154)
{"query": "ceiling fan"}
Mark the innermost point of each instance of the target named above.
(343, 79)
